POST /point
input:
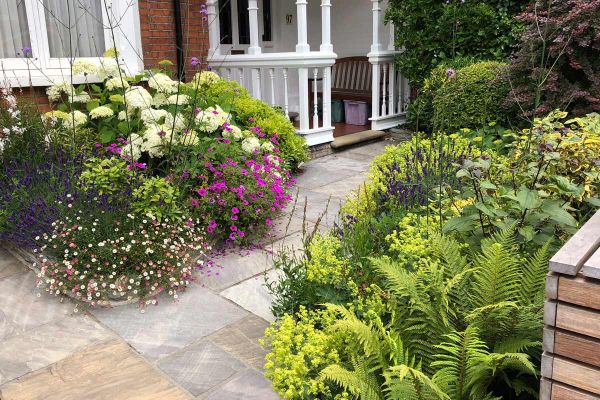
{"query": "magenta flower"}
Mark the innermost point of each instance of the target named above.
(233, 228)
(241, 234)
(268, 221)
(195, 203)
(195, 61)
(235, 210)
(201, 192)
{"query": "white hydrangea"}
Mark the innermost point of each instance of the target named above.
(205, 78)
(138, 97)
(122, 115)
(273, 159)
(84, 67)
(56, 91)
(82, 97)
(236, 132)
(75, 120)
(162, 83)
(133, 150)
(267, 146)
(220, 115)
(116, 83)
(177, 122)
(156, 138)
(189, 139)
(101, 112)
(151, 116)
(180, 99)
(251, 144)
(159, 100)
(108, 68)
(207, 122)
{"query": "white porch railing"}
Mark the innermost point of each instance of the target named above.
(270, 76)
(391, 92)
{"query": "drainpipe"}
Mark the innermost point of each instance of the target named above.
(179, 40)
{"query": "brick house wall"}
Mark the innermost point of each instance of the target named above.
(157, 22)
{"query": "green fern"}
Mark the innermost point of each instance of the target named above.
(533, 276)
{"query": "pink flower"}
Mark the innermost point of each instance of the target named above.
(201, 192)
(233, 228)
(235, 210)
(268, 221)
(241, 234)
(195, 203)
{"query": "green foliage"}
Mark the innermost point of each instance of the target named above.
(158, 198)
(107, 176)
(433, 32)
(548, 183)
(471, 98)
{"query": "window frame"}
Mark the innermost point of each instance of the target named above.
(39, 69)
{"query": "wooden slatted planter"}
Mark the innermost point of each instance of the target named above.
(571, 359)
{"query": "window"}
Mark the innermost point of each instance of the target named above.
(236, 31)
(39, 38)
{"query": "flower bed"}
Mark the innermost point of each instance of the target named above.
(432, 285)
(123, 185)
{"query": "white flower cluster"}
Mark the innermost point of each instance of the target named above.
(179, 99)
(205, 78)
(56, 91)
(251, 144)
(162, 83)
(235, 133)
(211, 119)
(82, 97)
(138, 97)
(75, 119)
(151, 116)
(101, 112)
(14, 113)
(108, 68)
(116, 83)
(84, 67)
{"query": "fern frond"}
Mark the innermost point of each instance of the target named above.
(398, 280)
(515, 345)
(533, 276)
(361, 382)
(396, 379)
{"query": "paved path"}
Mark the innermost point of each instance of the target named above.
(205, 346)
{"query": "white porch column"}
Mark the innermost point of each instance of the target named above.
(253, 16)
(326, 45)
(302, 46)
(376, 47)
(303, 99)
(214, 31)
(392, 44)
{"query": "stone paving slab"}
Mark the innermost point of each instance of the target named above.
(47, 344)
(20, 307)
(344, 188)
(314, 175)
(201, 367)
(316, 204)
(252, 295)
(236, 266)
(249, 385)
(8, 264)
(108, 371)
(339, 161)
(168, 327)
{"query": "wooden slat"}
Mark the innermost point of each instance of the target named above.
(548, 345)
(547, 365)
(583, 292)
(560, 392)
(577, 375)
(577, 348)
(545, 389)
(571, 257)
(550, 313)
(578, 320)
(552, 285)
(591, 268)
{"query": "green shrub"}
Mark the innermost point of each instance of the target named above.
(420, 111)
(157, 197)
(107, 176)
(472, 98)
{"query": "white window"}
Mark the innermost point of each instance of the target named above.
(40, 38)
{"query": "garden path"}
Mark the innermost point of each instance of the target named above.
(205, 346)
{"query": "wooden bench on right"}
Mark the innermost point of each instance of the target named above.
(571, 358)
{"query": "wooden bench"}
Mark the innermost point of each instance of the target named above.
(571, 359)
(351, 79)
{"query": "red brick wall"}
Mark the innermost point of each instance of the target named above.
(157, 21)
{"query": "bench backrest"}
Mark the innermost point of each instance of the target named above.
(352, 74)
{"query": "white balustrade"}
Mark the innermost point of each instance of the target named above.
(286, 94)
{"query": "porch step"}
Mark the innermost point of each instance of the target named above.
(356, 138)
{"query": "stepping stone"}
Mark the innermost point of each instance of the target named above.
(241, 340)
(236, 266)
(9, 265)
(168, 327)
(107, 371)
(47, 344)
(339, 161)
(356, 138)
(200, 367)
(345, 187)
(21, 309)
(252, 295)
(315, 175)
(249, 385)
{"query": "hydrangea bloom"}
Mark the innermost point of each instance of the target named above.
(108, 68)
(207, 122)
(84, 67)
(163, 83)
(116, 83)
(56, 91)
(250, 144)
(75, 119)
(159, 100)
(151, 116)
(82, 97)
(138, 97)
(132, 151)
(179, 99)
(176, 122)
(101, 112)
(205, 78)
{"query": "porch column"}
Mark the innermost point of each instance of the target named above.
(392, 44)
(253, 16)
(376, 47)
(326, 46)
(214, 32)
(302, 46)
